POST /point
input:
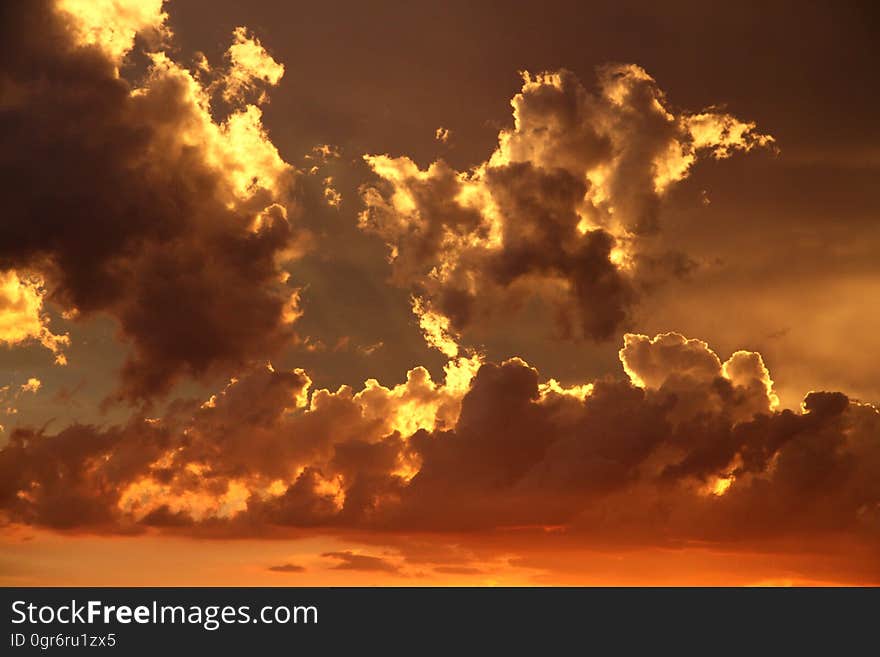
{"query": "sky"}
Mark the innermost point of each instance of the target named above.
(471, 294)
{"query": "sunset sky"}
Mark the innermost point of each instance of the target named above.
(471, 293)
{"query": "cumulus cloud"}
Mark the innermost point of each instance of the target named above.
(265, 444)
(112, 25)
(682, 447)
(692, 373)
(563, 208)
(131, 199)
(22, 318)
(250, 65)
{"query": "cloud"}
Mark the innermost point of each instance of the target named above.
(563, 209)
(112, 25)
(10, 394)
(33, 384)
(250, 64)
(692, 373)
(266, 444)
(72, 479)
(683, 447)
(22, 318)
(349, 560)
(287, 568)
(132, 200)
(436, 329)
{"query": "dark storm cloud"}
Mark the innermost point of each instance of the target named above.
(130, 200)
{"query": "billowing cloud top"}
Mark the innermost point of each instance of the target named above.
(561, 208)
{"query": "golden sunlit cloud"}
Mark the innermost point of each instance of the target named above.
(112, 25)
(194, 211)
(33, 384)
(22, 318)
(435, 329)
(249, 62)
(489, 448)
(560, 208)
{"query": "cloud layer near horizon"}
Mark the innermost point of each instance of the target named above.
(686, 448)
